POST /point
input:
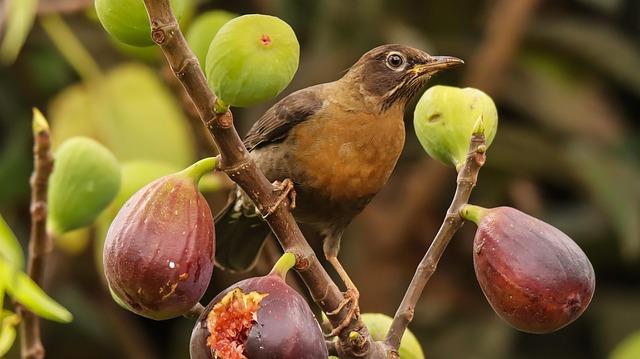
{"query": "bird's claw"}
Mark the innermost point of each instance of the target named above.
(287, 191)
(350, 296)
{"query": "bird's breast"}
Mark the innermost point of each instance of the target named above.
(346, 155)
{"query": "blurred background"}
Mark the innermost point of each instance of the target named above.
(565, 76)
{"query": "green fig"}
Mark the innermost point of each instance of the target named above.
(444, 120)
(85, 179)
(127, 20)
(203, 29)
(252, 59)
(378, 325)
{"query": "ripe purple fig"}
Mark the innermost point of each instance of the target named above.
(534, 276)
(259, 318)
(158, 254)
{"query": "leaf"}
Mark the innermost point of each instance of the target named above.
(131, 112)
(24, 290)
(8, 332)
(10, 248)
(19, 17)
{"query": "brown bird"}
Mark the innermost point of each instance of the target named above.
(337, 142)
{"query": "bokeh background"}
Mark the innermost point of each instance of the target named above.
(565, 76)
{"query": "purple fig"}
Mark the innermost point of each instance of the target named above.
(159, 250)
(534, 276)
(259, 318)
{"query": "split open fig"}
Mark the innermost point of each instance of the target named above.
(259, 318)
(158, 254)
(534, 276)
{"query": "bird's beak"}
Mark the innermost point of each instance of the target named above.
(437, 63)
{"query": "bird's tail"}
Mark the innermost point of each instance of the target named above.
(240, 234)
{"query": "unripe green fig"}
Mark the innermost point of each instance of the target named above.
(534, 276)
(444, 120)
(158, 254)
(378, 325)
(85, 179)
(127, 20)
(252, 59)
(203, 29)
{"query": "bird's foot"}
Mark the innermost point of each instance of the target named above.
(286, 192)
(351, 296)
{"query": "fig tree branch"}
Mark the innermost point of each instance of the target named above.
(467, 178)
(236, 162)
(39, 241)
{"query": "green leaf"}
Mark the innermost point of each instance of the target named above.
(8, 332)
(24, 290)
(10, 248)
(20, 16)
(131, 112)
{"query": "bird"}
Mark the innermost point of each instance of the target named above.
(337, 143)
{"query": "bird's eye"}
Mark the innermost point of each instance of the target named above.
(395, 61)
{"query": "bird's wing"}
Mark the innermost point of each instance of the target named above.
(275, 124)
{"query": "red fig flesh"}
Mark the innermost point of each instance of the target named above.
(258, 318)
(158, 254)
(534, 276)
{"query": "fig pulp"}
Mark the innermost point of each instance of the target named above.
(534, 276)
(259, 318)
(158, 254)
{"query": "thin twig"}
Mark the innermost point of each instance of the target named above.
(237, 163)
(467, 178)
(39, 242)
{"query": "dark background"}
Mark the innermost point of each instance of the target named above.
(565, 76)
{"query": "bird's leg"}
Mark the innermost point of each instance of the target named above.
(331, 247)
(286, 192)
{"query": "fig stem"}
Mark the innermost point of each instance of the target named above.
(283, 265)
(220, 107)
(198, 169)
(473, 213)
(39, 241)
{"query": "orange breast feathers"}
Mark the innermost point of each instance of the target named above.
(348, 155)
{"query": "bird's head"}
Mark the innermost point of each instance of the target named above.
(395, 73)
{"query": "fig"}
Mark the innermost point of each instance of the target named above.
(378, 325)
(158, 253)
(258, 318)
(135, 175)
(252, 59)
(127, 20)
(534, 276)
(85, 179)
(444, 120)
(202, 31)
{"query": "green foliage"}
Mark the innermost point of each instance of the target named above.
(10, 248)
(85, 179)
(24, 290)
(19, 16)
(252, 59)
(127, 20)
(445, 117)
(8, 323)
(130, 112)
(203, 29)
